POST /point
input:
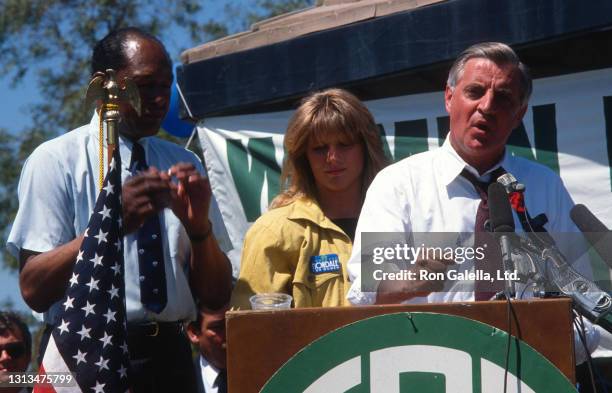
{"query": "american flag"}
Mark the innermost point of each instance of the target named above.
(89, 336)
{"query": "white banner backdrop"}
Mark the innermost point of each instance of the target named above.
(564, 128)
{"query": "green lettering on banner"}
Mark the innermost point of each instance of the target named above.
(545, 130)
(410, 138)
(607, 101)
(249, 181)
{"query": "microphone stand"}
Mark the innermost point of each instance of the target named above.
(502, 224)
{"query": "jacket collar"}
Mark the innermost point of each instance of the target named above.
(306, 209)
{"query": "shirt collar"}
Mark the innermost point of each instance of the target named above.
(94, 127)
(125, 145)
(451, 164)
(209, 372)
(306, 209)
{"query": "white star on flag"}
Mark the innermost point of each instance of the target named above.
(101, 236)
(99, 388)
(109, 189)
(63, 327)
(124, 347)
(105, 213)
(122, 372)
(92, 284)
(97, 260)
(84, 333)
(106, 340)
(102, 363)
(110, 316)
(74, 280)
(114, 292)
(68, 303)
(80, 357)
(89, 309)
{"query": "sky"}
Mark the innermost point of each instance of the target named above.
(14, 117)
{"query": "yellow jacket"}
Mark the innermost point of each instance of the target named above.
(277, 253)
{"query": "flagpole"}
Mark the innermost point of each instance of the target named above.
(108, 94)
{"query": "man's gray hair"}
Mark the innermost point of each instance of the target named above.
(498, 53)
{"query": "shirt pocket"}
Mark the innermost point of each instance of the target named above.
(315, 281)
(324, 287)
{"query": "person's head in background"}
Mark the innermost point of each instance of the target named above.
(332, 146)
(207, 333)
(15, 345)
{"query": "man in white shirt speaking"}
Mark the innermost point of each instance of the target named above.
(486, 96)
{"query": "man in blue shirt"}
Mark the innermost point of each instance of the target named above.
(163, 188)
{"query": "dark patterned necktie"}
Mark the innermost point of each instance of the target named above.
(150, 250)
(491, 263)
(221, 382)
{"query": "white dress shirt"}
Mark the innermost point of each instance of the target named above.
(209, 374)
(57, 192)
(426, 193)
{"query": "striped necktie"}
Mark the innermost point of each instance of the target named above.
(492, 262)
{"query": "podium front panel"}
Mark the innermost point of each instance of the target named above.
(259, 343)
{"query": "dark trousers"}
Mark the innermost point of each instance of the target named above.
(160, 358)
(602, 370)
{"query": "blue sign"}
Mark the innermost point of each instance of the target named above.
(172, 124)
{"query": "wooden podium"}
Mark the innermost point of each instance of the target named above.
(260, 342)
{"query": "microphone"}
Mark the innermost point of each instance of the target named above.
(596, 233)
(510, 183)
(502, 224)
(591, 300)
(516, 193)
(500, 212)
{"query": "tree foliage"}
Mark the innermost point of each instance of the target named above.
(51, 41)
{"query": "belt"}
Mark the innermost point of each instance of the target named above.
(154, 329)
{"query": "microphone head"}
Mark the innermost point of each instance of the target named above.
(500, 212)
(507, 180)
(510, 183)
(586, 221)
(596, 233)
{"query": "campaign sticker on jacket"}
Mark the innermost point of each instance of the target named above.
(327, 263)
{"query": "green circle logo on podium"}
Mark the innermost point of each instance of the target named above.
(417, 352)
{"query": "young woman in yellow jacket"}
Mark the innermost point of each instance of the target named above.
(301, 245)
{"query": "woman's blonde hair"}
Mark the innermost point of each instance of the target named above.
(320, 114)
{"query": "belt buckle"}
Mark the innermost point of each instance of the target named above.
(156, 326)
